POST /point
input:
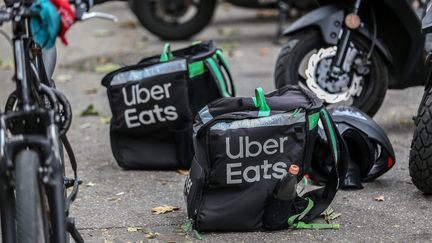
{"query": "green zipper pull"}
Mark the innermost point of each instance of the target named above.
(260, 102)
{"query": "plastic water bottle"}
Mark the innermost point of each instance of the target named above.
(286, 189)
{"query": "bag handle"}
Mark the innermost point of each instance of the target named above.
(218, 76)
(260, 102)
(224, 63)
(166, 53)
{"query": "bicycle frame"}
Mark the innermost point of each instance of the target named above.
(35, 127)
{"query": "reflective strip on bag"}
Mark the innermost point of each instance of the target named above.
(147, 72)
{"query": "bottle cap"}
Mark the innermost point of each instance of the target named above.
(294, 170)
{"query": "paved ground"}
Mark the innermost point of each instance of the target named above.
(113, 200)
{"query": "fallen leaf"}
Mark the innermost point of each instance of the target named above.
(91, 91)
(103, 33)
(89, 111)
(164, 209)
(90, 184)
(267, 13)
(129, 24)
(379, 198)
(151, 235)
(264, 51)
(330, 214)
(105, 120)
(106, 68)
(114, 199)
(183, 172)
(133, 229)
(334, 216)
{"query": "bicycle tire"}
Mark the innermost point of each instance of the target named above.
(31, 214)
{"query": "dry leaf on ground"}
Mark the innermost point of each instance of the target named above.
(264, 51)
(330, 214)
(90, 184)
(129, 24)
(91, 91)
(183, 172)
(379, 198)
(151, 235)
(105, 120)
(134, 229)
(114, 199)
(164, 209)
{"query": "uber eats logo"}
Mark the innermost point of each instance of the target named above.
(243, 149)
(142, 95)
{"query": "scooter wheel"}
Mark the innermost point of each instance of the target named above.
(147, 14)
(420, 162)
(305, 50)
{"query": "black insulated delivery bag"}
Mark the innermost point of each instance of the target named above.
(244, 147)
(153, 104)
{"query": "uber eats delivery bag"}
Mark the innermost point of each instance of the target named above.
(153, 104)
(244, 146)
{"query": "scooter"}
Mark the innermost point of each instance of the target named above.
(182, 19)
(420, 161)
(351, 52)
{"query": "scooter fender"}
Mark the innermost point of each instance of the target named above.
(327, 19)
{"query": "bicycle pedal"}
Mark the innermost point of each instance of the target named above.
(68, 182)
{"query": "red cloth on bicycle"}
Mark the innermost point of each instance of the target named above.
(67, 17)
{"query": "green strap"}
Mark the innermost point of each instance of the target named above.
(313, 120)
(329, 126)
(196, 69)
(260, 102)
(222, 58)
(224, 63)
(166, 53)
(215, 69)
(303, 225)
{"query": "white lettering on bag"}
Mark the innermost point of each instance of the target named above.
(142, 95)
(249, 149)
(236, 173)
(250, 174)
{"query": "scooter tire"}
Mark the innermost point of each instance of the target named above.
(166, 31)
(301, 44)
(420, 161)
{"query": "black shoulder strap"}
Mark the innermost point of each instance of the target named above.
(323, 197)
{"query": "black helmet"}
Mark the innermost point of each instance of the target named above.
(370, 151)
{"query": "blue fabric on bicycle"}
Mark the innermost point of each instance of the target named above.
(45, 29)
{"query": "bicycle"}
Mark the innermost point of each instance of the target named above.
(34, 204)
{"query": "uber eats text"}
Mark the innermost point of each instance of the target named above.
(142, 95)
(244, 148)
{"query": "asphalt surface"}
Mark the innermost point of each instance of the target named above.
(115, 205)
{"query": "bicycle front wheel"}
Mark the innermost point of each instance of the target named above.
(31, 207)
